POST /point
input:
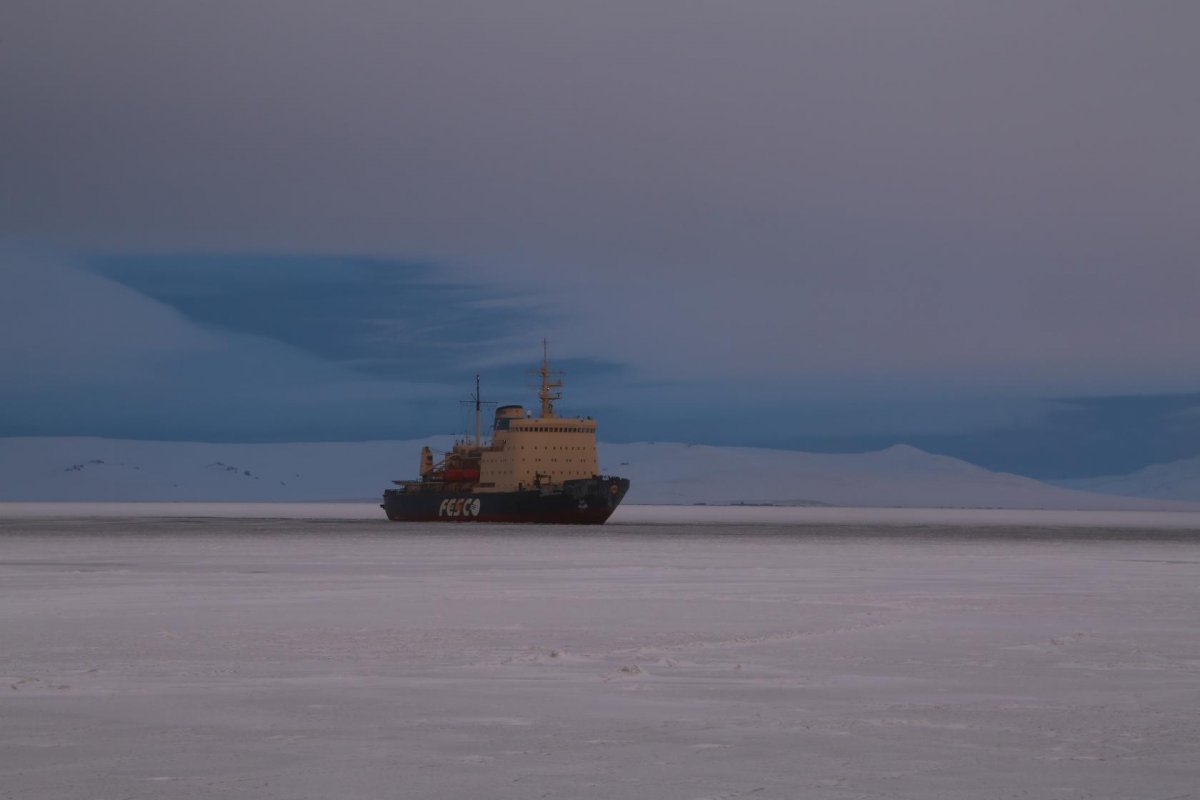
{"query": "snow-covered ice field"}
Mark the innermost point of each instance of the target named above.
(143, 657)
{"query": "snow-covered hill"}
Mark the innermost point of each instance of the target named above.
(88, 469)
(899, 476)
(120, 469)
(1175, 480)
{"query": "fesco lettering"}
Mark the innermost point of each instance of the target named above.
(459, 507)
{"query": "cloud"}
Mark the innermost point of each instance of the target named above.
(993, 196)
(83, 354)
(62, 325)
(187, 358)
(920, 218)
(384, 318)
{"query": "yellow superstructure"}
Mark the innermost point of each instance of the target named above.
(525, 451)
(536, 451)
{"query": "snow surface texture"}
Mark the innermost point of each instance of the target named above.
(86, 469)
(1177, 480)
(281, 659)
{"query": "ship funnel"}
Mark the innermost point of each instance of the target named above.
(505, 415)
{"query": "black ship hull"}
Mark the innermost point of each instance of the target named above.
(579, 502)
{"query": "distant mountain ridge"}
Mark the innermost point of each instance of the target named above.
(1174, 480)
(93, 469)
(900, 476)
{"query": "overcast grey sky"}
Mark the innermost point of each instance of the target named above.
(807, 200)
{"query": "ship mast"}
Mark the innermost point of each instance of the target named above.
(479, 403)
(547, 394)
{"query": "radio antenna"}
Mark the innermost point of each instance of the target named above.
(479, 404)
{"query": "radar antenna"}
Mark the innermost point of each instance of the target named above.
(547, 393)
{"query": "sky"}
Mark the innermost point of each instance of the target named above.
(821, 225)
